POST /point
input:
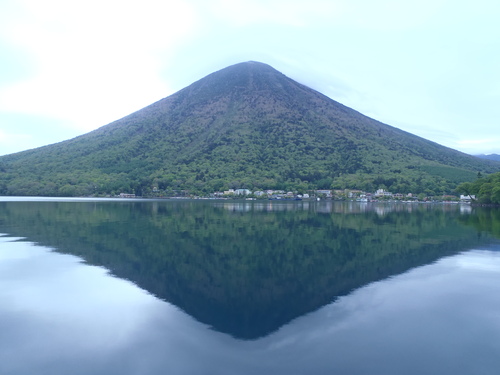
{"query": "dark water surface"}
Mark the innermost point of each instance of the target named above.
(220, 287)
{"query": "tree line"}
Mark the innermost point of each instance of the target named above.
(485, 190)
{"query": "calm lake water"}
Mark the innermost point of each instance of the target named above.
(223, 287)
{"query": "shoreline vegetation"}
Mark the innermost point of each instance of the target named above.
(293, 196)
(484, 191)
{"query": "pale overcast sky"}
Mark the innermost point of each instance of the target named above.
(430, 67)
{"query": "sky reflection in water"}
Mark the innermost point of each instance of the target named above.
(60, 316)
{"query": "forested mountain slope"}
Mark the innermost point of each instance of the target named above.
(244, 126)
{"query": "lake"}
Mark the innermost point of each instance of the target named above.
(91, 286)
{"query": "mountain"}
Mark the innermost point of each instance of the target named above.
(490, 156)
(247, 126)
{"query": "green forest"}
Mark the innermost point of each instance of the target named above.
(485, 189)
(246, 126)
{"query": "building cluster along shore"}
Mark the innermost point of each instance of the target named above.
(347, 194)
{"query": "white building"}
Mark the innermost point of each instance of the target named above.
(242, 192)
(383, 193)
(467, 198)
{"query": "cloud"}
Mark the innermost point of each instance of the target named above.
(241, 13)
(97, 59)
(8, 138)
(364, 14)
(9, 142)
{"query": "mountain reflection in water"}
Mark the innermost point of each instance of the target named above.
(245, 268)
(59, 317)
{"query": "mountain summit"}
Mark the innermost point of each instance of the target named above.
(249, 126)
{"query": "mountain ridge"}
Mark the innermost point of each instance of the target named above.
(495, 157)
(246, 125)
